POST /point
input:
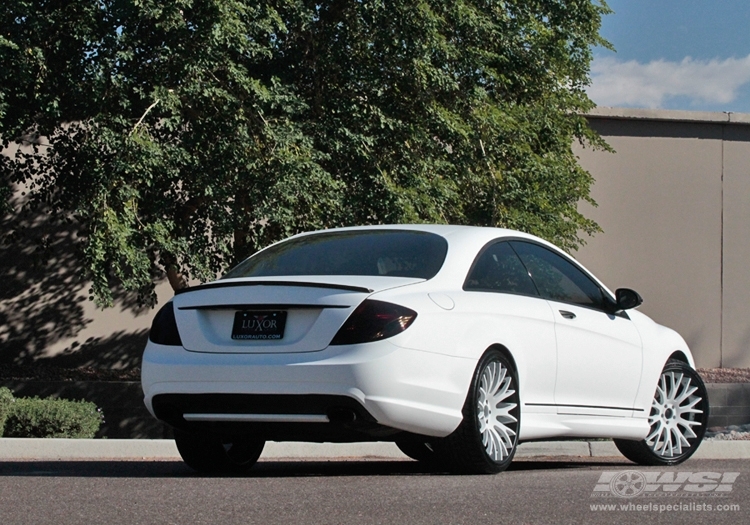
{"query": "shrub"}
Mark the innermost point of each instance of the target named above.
(52, 418)
(6, 402)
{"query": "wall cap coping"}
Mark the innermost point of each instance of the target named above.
(672, 115)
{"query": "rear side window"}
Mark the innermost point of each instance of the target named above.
(396, 253)
(557, 278)
(498, 269)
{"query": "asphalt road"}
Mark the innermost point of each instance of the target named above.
(542, 490)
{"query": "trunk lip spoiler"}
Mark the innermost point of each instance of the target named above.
(267, 306)
(301, 284)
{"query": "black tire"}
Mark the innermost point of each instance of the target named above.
(486, 440)
(214, 454)
(666, 419)
(419, 449)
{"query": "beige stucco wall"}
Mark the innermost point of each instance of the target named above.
(736, 254)
(673, 207)
(46, 316)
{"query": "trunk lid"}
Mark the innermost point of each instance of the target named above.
(245, 315)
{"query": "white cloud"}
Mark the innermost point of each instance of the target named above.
(616, 83)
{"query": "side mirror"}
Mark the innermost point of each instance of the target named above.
(627, 298)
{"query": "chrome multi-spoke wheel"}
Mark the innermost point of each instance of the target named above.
(674, 413)
(678, 417)
(494, 406)
(486, 440)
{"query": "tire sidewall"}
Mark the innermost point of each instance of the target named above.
(205, 452)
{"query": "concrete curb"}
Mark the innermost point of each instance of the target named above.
(149, 449)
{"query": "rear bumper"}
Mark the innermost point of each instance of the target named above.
(272, 417)
(387, 386)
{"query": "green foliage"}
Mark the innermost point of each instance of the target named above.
(6, 403)
(192, 133)
(52, 418)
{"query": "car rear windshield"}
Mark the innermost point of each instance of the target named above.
(396, 253)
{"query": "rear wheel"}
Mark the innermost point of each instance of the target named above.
(486, 439)
(678, 418)
(421, 450)
(210, 453)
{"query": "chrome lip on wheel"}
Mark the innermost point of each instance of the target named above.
(493, 412)
(673, 415)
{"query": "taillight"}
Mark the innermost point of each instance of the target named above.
(373, 321)
(164, 328)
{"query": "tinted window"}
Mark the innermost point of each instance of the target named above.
(498, 269)
(375, 252)
(557, 278)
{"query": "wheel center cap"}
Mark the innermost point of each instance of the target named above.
(669, 413)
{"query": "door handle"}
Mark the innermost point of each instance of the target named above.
(567, 315)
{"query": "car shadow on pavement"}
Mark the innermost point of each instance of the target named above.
(270, 468)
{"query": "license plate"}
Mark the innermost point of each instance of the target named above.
(259, 325)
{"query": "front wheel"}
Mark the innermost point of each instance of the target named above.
(214, 454)
(678, 419)
(486, 439)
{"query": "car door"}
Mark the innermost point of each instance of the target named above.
(500, 289)
(599, 352)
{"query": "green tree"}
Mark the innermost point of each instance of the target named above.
(184, 136)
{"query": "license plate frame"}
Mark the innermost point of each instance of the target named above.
(259, 325)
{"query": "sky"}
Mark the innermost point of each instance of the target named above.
(674, 54)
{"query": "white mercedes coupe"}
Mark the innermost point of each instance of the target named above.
(457, 343)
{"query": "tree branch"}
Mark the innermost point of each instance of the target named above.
(143, 116)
